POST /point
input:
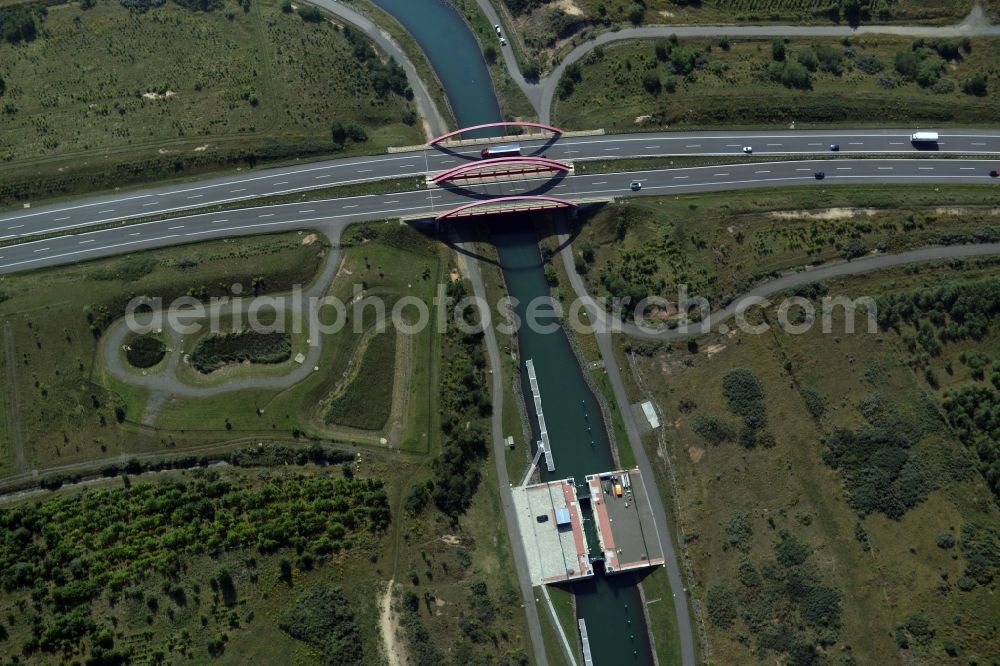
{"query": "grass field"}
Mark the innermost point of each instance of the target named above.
(93, 102)
(547, 30)
(884, 590)
(366, 400)
(738, 83)
(720, 244)
(66, 406)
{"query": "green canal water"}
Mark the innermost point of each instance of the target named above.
(611, 605)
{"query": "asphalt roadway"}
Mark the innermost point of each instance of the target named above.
(253, 184)
(337, 213)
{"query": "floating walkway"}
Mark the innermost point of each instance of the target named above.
(543, 444)
(587, 659)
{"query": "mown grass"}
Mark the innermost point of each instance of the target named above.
(720, 244)
(662, 618)
(883, 570)
(66, 400)
(244, 89)
(626, 86)
(367, 401)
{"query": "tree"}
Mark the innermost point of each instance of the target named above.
(637, 13)
(3, 86)
(490, 53)
(651, 82)
(310, 14)
(974, 85)
(778, 49)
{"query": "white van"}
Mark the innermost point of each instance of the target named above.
(924, 137)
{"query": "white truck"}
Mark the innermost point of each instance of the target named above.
(924, 137)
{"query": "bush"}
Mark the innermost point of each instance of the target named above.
(778, 50)
(342, 132)
(712, 429)
(720, 603)
(814, 401)
(145, 351)
(324, 619)
(17, 23)
(216, 351)
(745, 397)
(974, 85)
(790, 551)
(651, 82)
(310, 14)
(945, 540)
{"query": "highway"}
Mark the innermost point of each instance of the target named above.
(253, 184)
(337, 213)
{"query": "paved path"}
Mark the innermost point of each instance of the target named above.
(605, 344)
(542, 93)
(166, 381)
(500, 459)
(859, 266)
(434, 122)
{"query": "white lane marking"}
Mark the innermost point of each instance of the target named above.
(397, 200)
(196, 196)
(84, 242)
(151, 203)
(102, 212)
(41, 249)
(733, 145)
(803, 169)
(571, 151)
(967, 168)
(138, 233)
(407, 166)
(650, 147)
(447, 161)
(926, 168)
(681, 177)
(855, 143)
(242, 189)
(323, 176)
(774, 144)
(60, 219)
(601, 182)
(311, 210)
(843, 168)
(180, 226)
(284, 182)
(610, 149)
(87, 250)
(16, 226)
(978, 144)
(351, 206)
(219, 221)
(364, 170)
(720, 174)
(815, 144)
(895, 143)
(885, 168)
(762, 171)
(266, 215)
(693, 145)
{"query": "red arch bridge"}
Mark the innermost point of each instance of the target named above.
(460, 132)
(501, 166)
(517, 204)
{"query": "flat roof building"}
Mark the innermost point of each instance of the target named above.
(551, 526)
(624, 519)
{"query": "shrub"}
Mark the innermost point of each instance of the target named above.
(945, 540)
(974, 85)
(814, 401)
(778, 49)
(740, 531)
(745, 397)
(712, 429)
(869, 64)
(145, 351)
(720, 602)
(324, 619)
(310, 14)
(651, 82)
(790, 551)
(215, 351)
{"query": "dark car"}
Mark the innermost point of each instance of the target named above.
(834, 147)
(819, 175)
(994, 173)
(635, 186)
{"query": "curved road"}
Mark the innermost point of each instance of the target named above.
(542, 92)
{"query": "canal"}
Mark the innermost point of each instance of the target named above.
(611, 605)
